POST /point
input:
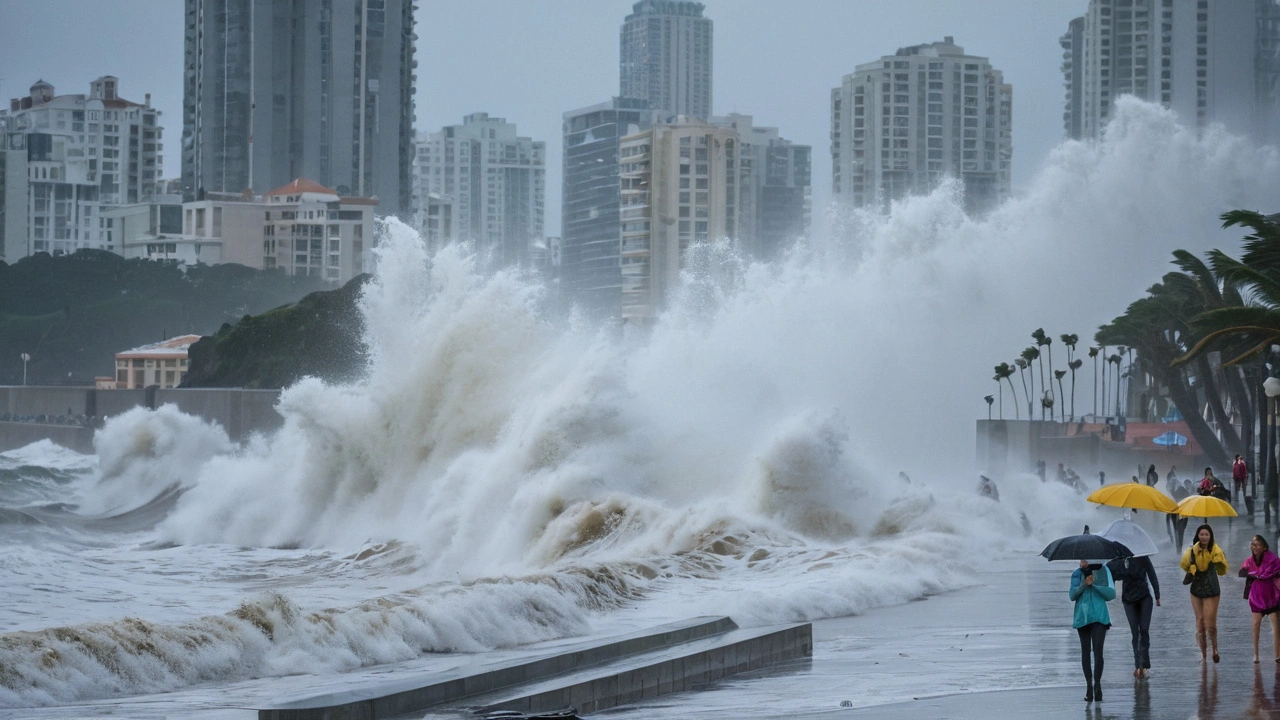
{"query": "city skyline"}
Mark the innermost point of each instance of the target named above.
(781, 73)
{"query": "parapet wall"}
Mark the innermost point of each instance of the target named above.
(68, 416)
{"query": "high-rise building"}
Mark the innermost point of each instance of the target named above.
(666, 57)
(495, 179)
(590, 271)
(274, 91)
(66, 158)
(1072, 43)
(902, 124)
(679, 186)
(1208, 60)
(775, 174)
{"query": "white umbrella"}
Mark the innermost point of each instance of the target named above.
(1128, 533)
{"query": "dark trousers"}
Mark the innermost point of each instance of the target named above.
(1092, 636)
(1177, 529)
(1139, 615)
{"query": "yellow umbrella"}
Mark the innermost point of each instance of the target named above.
(1205, 506)
(1133, 495)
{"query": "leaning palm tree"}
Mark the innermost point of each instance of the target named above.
(1022, 364)
(1058, 374)
(1074, 365)
(1093, 353)
(1069, 340)
(1003, 372)
(1031, 354)
(1105, 361)
(1044, 340)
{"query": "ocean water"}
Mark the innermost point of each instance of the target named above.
(503, 477)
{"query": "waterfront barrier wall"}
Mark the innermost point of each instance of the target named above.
(591, 676)
(68, 416)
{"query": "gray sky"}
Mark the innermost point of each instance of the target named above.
(531, 60)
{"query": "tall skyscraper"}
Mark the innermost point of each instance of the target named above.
(666, 57)
(495, 179)
(274, 91)
(680, 186)
(903, 123)
(64, 159)
(590, 271)
(1208, 60)
(776, 175)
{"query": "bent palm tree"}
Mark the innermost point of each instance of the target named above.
(1093, 353)
(1074, 365)
(1031, 354)
(1044, 340)
(1058, 374)
(1022, 364)
(1004, 372)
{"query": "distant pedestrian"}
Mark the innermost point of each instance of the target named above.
(1040, 465)
(1239, 476)
(1171, 480)
(1260, 571)
(1204, 562)
(1153, 477)
(1091, 588)
(1062, 473)
(1102, 478)
(1137, 573)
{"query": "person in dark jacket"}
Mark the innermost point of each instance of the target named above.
(1137, 573)
(1153, 476)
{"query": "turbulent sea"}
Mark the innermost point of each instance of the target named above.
(503, 477)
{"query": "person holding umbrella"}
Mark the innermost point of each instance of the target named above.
(1203, 562)
(1091, 589)
(1137, 600)
(1260, 571)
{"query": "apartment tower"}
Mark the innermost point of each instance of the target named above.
(274, 91)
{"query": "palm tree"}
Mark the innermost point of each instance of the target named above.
(1093, 353)
(1115, 380)
(1105, 362)
(1031, 354)
(1059, 374)
(1004, 372)
(1069, 340)
(1074, 365)
(990, 400)
(1044, 340)
(1022, 364)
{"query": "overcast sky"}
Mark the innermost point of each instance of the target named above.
(530, 60)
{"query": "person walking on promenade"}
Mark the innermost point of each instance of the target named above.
(1172, 477)
(1153, 477)
(1177, 524)
(1091, 588)
(1239, 476)
(1136, 572)
(1203, 562)
(1260, 571)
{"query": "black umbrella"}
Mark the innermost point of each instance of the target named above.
(1084, 547)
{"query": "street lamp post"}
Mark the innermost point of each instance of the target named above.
(25, 358)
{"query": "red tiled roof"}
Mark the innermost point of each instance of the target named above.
(302, 185)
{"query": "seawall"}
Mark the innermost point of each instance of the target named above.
(69, 415)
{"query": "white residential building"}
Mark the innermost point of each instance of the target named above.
(1208, 60)
(903, 123)
(776, 178)
(495, 179)
(680, 185)
(64, 158)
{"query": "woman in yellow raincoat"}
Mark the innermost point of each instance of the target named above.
(1204, 562)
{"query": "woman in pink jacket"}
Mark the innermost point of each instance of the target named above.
(1261, 569)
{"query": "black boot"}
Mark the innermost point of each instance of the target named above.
(1088, 693)
(1097, 689)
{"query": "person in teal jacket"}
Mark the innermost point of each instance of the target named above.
(1091, 589)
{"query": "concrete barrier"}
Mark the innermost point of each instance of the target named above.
(240, 412)
(14, 435)
(401, 699)
(40, 400)
(684, 668)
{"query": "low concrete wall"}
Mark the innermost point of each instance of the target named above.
(39, 400)
(738, 652)
(240, 412)
(400, 700)
(14, 435)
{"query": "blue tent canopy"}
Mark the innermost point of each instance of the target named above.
(1172, 416)
(1170, 438)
